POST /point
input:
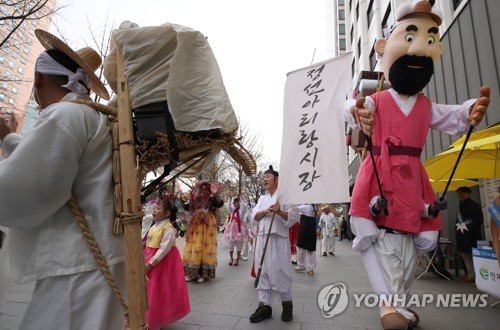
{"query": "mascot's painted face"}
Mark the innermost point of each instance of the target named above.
(409, 54)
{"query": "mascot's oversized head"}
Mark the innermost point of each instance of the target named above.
(412, 48)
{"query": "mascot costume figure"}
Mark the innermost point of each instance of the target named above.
(392, 226)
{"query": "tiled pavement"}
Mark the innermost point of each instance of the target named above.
(227, 301)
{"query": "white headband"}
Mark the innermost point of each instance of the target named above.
(45, 64)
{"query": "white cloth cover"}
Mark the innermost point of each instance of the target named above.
(173, 63)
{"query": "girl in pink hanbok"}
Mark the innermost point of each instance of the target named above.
(164, 270)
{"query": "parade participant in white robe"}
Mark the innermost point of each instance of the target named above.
(328, 225)
(4, 265)
(247, 244)
(68, 153)
(398, 121)
(276, 272)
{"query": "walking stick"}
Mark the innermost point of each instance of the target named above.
(257, 278)
(441, 199)
(321, 244)
(360, 104)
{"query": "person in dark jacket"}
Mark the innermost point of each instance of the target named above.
(468, 227)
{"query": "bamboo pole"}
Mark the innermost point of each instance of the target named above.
(134, 264)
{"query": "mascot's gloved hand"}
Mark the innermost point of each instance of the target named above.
(438, 205)
(378, 204)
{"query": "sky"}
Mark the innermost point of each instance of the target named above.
(256, 43)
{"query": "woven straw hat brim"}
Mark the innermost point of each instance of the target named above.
(50, 41)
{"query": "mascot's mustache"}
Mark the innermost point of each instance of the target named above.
(416, 62)
(410, 73)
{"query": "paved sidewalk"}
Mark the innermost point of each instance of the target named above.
(227, 301)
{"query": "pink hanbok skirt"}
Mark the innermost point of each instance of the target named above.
(168, 298)
(232, 233)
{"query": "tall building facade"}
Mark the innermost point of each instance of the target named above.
(18, 54)
(470, 59)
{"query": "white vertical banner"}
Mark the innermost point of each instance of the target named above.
(313, 165)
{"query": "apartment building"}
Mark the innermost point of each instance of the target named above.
(18, 54)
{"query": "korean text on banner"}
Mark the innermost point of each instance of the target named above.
(486, 271)
(313, 165)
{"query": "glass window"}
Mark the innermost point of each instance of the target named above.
(28, 41)
(5, 85)
(2, 96)
(11, 64)
(9, 111)
(341, 14)
(17, 44)
(342, 29)
(20, 69)
(8, 74)
(12, 100)
(20, 34)
(23, 60)
(14, 54)
(32, 32)
(388, 20)
(369, 13)
(17, 79)
(341, 44)
(26, 50)
(373, 59)
(456, 3)
(2, 58)
(14, 90)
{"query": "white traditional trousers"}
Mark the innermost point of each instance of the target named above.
(276, 273)
(306, 258)
(328, 243)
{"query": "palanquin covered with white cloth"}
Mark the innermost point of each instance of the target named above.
(171, 69)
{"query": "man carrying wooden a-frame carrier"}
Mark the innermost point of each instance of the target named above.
(68, 155)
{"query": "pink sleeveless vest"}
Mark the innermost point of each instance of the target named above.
(397, 142)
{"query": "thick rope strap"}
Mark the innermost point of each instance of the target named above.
(125, 219)
(105, 109)
(96, 251)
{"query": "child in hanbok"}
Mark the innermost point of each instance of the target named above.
(168, 298)
(236, 232)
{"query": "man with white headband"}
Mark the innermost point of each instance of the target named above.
(398, 120)
(68, 153)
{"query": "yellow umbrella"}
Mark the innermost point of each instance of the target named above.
(479, 160)
(439, 186)
(484, 133)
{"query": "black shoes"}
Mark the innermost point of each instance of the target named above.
(287, 315)
(263, 312)
(324, 254)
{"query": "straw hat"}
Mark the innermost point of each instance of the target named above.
(86, 58)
